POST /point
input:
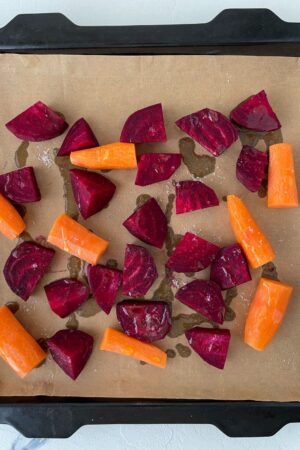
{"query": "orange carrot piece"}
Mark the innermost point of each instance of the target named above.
(117, 342)
(119, 155)
(70, 236)
(282, 188)
(17, 347)
(266, 312)
(11, 223)
(256, 246)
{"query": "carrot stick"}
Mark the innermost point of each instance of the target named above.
(11, 223)
(17, 347)
(119, 155)
(248, 234)
(282, 188)
(266, 312)
(70, 236)
(117, 342)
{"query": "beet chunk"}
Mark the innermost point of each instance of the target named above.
(192, 254)
(139, 271)
(79, 137)
(255, 113)
(20, 185)
(145, 125)
(37, 123)
(71, 350)
(205, 297)
(250, 167)
(210, 344)
(104, 283)
(25, 267)
(66, 295)
(146, 320)
(194, 195)
(92, 191)
(209, 128)
(148, 223)
(155, 167)
(230, 267)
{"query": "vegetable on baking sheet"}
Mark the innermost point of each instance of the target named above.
(156, 167)
(104, 283)
(20, 185)
(193, 195)
(250, 167)
(11, 223)
(118, 155)
(139, 271)
(80, 136)
(66, 295)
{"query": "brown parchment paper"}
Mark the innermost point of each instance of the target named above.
(105, 90)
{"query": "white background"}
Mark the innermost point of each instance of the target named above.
(147, 437)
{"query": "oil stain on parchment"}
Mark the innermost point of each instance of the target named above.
(198, 165)
(21, 154)
(269, 270)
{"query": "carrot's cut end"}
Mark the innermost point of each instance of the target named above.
(11, 223)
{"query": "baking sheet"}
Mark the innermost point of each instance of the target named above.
(105, 90)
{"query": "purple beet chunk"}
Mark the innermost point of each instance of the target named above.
(255, 113)
(194, 195)
(210, 344)
(71, 350)
(25, 267)
(148, 223)
(104, 283)
(92, 191)
(250, 167)
(37, 123)
(230, 267)
(205, 297)
(146, 320)
(79, 137)
(155, 167)
(145, 125)
(20, 185)
(192, 254)
(66, 295)
(209, 128)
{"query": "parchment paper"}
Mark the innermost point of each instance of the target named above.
(105, 90)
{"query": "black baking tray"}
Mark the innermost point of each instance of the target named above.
(232, 32)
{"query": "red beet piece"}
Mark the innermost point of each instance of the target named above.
(210, 344)
(146, 320)
(80, 136)
(209, 128)
(230, 267)
(104, 283)
(255, 113)
(139, 271)
(193, 195)
(37, 123)
(26, 266)
(155, 167)
(92, 191)
(192, 254)
(148, 223)
(71, 350)
(66, 295)
(20, 185)
(250, 167)
(205, 297)
(145, 125)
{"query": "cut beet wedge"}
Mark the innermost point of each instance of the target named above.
(66, 295)
(209, 128)
(92, 191)
(80, 136)
(194, 195)
(20, 185)
(25, 267)
(192, 254)
(156, 167)
(148, 223)
(139, 271)
(104, 283)
(250, 167)
(146, 320)
(205, 297)
(145, 125)
(37, 123)
(211, 344)
(71, 350)
(255, 113)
